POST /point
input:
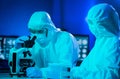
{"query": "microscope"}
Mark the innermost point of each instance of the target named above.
(19, 59)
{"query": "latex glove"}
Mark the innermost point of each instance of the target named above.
(33, 72)
(19, 41)
(25, 42)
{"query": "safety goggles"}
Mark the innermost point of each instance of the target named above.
(42, 31)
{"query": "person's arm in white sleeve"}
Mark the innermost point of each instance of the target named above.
(67, 50)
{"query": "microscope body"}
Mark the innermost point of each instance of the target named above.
(20, 58)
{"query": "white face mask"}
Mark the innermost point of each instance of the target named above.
(42, 36)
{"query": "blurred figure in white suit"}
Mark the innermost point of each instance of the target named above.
(103, 61)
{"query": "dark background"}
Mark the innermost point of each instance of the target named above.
(67, 14)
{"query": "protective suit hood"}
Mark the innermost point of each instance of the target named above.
(39, 20)
(101, 18)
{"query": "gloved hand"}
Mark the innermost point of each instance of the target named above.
(33, 72)
(25, 42)
(19, 41)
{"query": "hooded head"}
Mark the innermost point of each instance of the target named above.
(103, 20)
(39, 20)
(41, 26)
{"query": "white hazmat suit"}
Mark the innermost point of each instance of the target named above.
(52, 47)
(103, 61)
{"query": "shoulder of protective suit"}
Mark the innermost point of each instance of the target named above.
(64, 36)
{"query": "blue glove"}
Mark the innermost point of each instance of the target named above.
(33, 72)
(19, 41)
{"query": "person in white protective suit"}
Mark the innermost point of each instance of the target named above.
(103, 61)
(52, 47)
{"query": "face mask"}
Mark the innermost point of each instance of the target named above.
(42, 36)
(98, 29)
